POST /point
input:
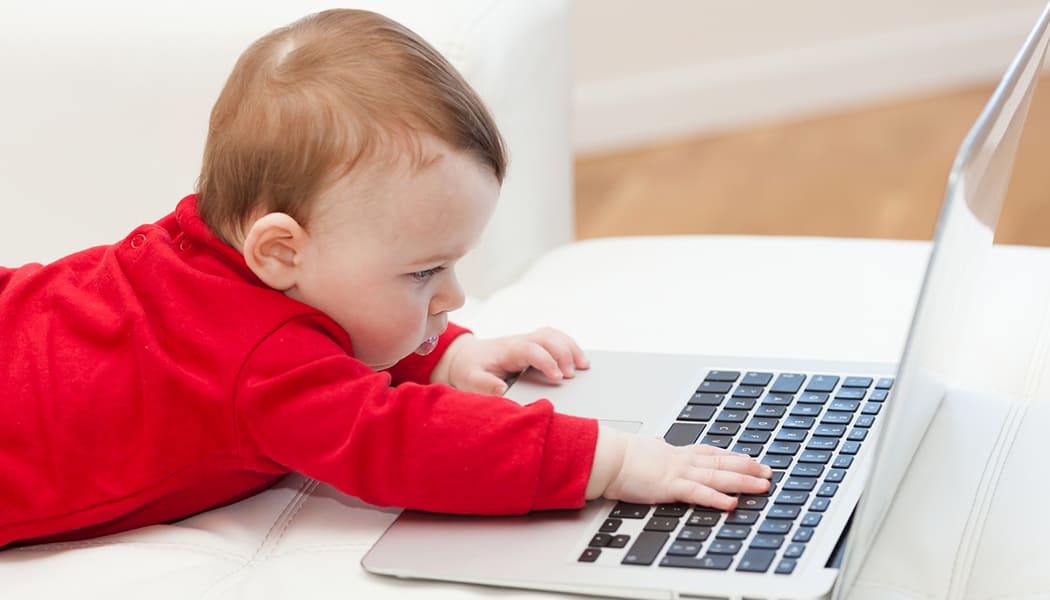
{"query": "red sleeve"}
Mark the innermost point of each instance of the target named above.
(416, 368)
(9, 276)
(307, 405)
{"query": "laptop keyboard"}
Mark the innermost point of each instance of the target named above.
(807, 428)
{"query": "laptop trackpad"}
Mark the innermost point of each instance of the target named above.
(624, 426)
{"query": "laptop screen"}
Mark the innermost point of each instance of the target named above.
(973, 201)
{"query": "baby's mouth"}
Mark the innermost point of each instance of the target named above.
(427, 346)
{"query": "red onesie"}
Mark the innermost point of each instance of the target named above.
(149, 380)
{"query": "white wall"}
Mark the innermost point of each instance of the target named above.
(660, 69)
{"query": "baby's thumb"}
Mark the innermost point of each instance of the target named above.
(484, 382)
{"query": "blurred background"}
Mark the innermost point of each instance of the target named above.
(814, 117)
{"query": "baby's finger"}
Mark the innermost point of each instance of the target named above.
(692, 492)
(534, 355)
(731, 461)
(563, 348)
(728, 481)
(483, 382)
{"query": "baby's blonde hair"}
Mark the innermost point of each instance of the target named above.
(306, 102)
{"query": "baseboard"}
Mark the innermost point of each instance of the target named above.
(709, 98)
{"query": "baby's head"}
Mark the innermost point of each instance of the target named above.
(353, 166)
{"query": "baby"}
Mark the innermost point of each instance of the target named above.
(292, 316)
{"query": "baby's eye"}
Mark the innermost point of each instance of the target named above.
(422, 276)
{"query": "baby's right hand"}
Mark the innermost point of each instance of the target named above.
(649, 471)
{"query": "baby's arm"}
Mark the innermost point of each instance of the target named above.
(649, 470)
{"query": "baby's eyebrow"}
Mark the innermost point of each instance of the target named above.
(436, 258)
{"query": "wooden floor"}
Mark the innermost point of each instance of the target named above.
(877, 172)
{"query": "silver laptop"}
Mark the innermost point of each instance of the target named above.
(840, 437)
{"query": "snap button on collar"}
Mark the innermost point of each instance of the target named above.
(138, 240)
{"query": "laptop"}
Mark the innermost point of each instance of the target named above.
(839, 435)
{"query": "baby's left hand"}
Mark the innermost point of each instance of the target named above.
(480, 365)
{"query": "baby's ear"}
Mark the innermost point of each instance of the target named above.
(273, 250)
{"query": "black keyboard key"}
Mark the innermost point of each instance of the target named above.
(802, 535)
(676, 510)
(694, 534)
(794, 550)
(788, 448)
(791, 435)
(696, 412)
(800, 484)
(704, 518)
(799, 422)
(711, 562)
(806, 410)
(767, 542)
(738, 403)
(590, 555)
(733, 532)
(844, 405)
(842, 461)
(661, 524)
(871, 408)
(860, 382)
(775, 527)
(788, 383)
(851, 394)
(835, 476)
(850, 448)
(619, 541)
(813, 398)
(792, 498)
(865, 421)
(778, 399)
(857, 435)
(778, 511)
(683, 549)
(742, 517)
(732, 416)
(707, 399)
(769, 410)
(810, 470)
(753, 436)
(752, 450)
(763, 423)
(819, 504)
(748, 391)
(714, 387)
(815, 456)
(879, 395)
(756, 561)
(822, 443)
(786, 566)
(629, 510)
(645, 548)
(836, 418)
(751, 502)
(722, 376)
(610, 525)
(756, 378)
(830, 430)
(683, 434)
(724, 428)
(811, 519)
(600, 540)
(776, 476)
(828, 490)
(884, 383)
(724, 547)
(776, 461)
(718, 441)
(822, 383)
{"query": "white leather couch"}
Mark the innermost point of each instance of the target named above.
(101, 127)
